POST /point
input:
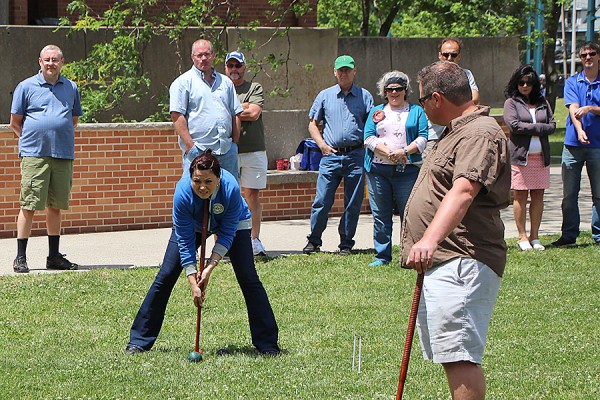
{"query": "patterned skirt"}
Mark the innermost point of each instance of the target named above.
(532, 176)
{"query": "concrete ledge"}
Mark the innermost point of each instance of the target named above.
(277, 177)
(129, 126)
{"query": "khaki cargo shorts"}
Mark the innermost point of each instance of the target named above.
(45, 182)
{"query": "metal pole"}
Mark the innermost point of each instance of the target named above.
(564, 41)
(591, 18)
(528, 51)
(539, 28)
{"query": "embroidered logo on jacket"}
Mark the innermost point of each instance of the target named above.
(218, 208)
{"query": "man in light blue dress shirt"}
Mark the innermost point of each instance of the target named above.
(204, 108)
(343, 109)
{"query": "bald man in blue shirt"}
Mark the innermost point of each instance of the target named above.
(205, 110)
(44, 113)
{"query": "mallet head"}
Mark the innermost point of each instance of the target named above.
(195, 356)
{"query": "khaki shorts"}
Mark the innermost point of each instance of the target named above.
(456, 307)
(253, 169)
(45, 182)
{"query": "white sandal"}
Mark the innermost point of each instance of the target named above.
(537, 245)
(525, 246)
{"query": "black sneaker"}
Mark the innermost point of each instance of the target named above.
(561, 242)
(311, 248)
(345, 251)
(58, 261)
(133, 349)
(20, 265)
(271, 353)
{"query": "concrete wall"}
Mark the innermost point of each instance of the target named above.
(283, 132)
(164, 61)
(492, 61)
(317, 47)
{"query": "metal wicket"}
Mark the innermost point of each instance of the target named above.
(357, 339)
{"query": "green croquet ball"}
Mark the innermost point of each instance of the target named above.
(194, 356)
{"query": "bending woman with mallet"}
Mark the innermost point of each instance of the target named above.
(231, 221)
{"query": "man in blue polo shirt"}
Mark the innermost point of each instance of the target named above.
(343, 110)
(204, 108)
(44, 113)
(582, 145)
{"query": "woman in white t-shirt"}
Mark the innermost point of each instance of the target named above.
(529, 119)
(395, 136)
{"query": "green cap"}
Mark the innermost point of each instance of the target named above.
(344, 61)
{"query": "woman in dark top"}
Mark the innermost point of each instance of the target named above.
(529, 119)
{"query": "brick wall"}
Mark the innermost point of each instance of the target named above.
(249, 10)
(289, 195)
(124, 179)
(17, 10)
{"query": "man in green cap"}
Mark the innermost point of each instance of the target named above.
(343, 109)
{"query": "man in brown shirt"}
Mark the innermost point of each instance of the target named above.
(452, 229)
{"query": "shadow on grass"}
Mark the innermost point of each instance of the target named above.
(248, 351)
(227, 350)
(91, 267)
(284, 253)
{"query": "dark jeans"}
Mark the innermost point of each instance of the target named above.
(387, 185)
(334, 168)
(149, 319)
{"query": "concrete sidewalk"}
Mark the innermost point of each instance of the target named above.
(146, 248)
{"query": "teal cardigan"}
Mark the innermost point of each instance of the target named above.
(416, 125)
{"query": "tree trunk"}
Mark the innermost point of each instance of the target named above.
(366, 13)
(387, 24)
(549, 67)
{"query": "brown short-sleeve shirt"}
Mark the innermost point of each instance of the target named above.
(474, 147)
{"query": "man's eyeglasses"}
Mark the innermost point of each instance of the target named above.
(51, 60)
(200, 55)
(585, 55)
(237, 66)
(448, 55)
(523, 83)
(423, 99)
(394, 89)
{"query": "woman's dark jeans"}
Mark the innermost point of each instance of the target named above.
(263, 327)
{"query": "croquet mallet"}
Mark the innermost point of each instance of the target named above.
(201, 268)
(412, 320)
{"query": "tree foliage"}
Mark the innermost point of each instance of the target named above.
(441, 18)
(114, 70)
(425, 18)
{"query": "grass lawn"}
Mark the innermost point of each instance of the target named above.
(63, 335)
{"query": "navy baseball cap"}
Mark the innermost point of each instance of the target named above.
(236, 55)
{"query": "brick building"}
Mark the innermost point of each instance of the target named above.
(47, 12)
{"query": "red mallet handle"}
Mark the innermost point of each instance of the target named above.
(412, 320)
(201, 268)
